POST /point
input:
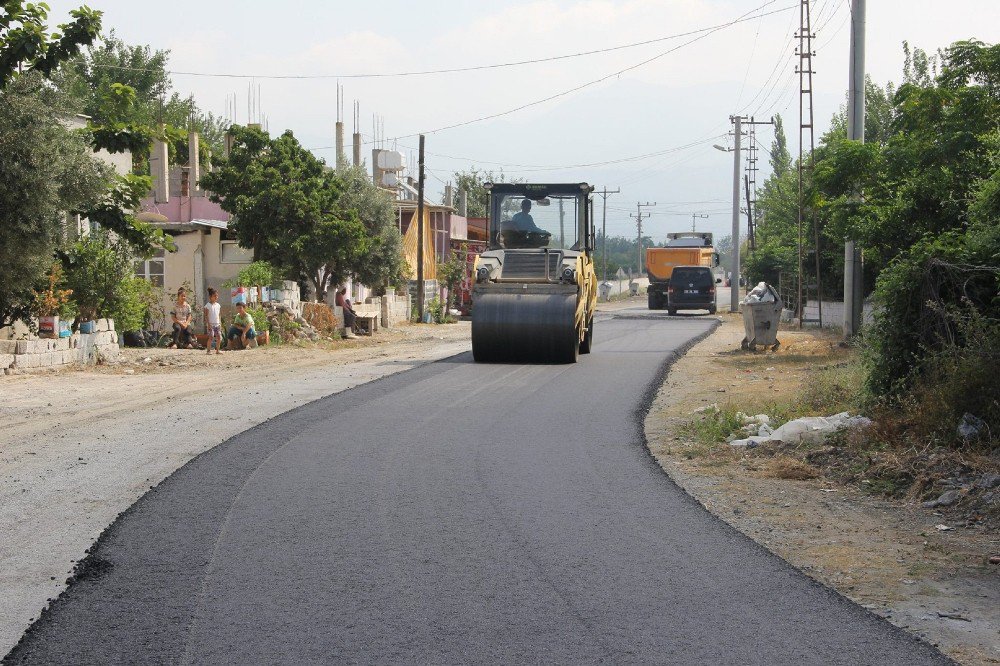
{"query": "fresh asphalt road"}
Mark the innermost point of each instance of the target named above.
(455, 513)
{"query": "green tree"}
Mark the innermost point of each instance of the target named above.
(270, 188)
(26, 45)
(382, 264)
(451, 273)
(781, 159)
(473, 182)
(99, 270)
(309, 221)
(46, 170)
(125, 89)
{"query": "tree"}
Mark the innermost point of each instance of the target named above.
(26, 46)
(99, 270)
(451, 273)
(270, 187)
(124, 89)
(473, 182)
(781, 159)
(46, 170)
(308, 220)
(337, 244)
(383, 264)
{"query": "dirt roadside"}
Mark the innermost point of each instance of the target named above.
(885, 555)
(80, 446)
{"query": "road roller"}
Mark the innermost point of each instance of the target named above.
(535, 288)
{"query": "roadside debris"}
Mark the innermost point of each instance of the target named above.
(970, 427)
(806, 430)
(946, 499)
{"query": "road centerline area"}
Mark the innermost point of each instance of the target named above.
(454, 513)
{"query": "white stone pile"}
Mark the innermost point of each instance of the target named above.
(43, 353)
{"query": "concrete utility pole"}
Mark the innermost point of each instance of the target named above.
(604, 230)
(853, 267)
(694, 219)
(420, 232)
(734, 290)
(639, 217)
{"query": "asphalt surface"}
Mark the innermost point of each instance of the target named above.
(455, 513)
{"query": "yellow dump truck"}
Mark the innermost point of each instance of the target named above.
(692, 248)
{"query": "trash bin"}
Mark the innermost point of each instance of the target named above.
(605, 291)
(633, 288)
(761, 316)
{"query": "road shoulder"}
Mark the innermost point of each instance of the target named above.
(886, 555)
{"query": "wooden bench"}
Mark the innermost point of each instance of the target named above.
(367, 316)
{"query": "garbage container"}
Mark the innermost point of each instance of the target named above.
(761, 316)
(633, 288)
(605, 291)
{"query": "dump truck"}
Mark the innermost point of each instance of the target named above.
(535, 287)
(691, 248)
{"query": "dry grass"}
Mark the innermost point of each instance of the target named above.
(786, 467)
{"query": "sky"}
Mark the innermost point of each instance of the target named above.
(665, 102)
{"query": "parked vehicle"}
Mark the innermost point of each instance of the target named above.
(682, 249)
(691, 288)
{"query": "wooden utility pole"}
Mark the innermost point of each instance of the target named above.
(420, 231)
(639, 217)
(604, 229)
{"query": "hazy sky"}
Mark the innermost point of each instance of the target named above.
(683, 97)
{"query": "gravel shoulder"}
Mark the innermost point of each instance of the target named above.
(887, 556)
(81, 446)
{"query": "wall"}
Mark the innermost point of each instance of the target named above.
(89, 348)
(180, 267)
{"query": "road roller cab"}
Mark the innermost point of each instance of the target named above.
(535, 288)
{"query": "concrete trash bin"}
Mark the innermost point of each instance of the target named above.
(761, 316)
(604, 289)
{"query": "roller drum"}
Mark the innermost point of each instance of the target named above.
(539, 327)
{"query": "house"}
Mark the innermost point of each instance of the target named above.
(207, 253)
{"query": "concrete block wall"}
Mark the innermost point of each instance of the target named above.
(79, 348)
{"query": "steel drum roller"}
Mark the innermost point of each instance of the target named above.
(512, 326)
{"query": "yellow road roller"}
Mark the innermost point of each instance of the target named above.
(535, 287)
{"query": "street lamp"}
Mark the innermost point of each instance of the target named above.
(722, 148)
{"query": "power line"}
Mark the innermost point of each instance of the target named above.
(454, 70)
(599, 80)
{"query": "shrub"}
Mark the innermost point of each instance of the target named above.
(320, 316)
(99, 270)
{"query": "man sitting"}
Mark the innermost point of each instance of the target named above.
(242, 327)
(350, 318)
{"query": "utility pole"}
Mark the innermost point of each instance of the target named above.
(694, 217)
(805, 53)
(420, 232)
(853, 266)
(639, 217)
(604, 230)
(734, 281)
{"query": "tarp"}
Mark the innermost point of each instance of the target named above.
(410, 248)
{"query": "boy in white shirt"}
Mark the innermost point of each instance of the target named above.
(213, 321)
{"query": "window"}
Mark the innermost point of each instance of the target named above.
(231, 253)
(151, 269)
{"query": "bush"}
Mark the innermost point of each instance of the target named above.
(320, 317)
(99, 270)
(260, 321)
(916, 297)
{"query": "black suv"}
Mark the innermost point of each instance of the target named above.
(691, 288)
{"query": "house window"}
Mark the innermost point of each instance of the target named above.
(151, 269)
(232, 253)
